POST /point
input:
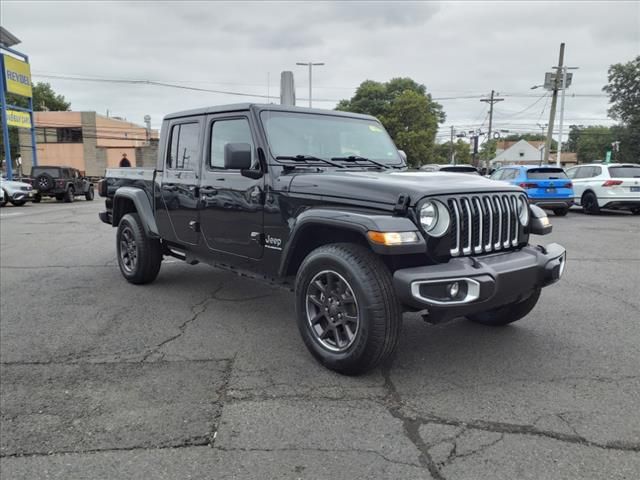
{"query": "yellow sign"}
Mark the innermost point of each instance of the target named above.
(17, 76)
(18, 119)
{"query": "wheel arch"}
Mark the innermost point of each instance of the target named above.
(133, 200)
(316, 227)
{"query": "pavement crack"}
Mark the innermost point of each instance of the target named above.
(319, 449)
(196, 310)
(411, 425)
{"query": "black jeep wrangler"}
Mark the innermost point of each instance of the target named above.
(324, 200)
(62, 183)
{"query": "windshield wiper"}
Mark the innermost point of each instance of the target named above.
(358, 158)
(305, 158)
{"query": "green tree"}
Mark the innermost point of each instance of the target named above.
(44, 99)
(624, 91)
(405, 109)
(461, 150)
(624, 96)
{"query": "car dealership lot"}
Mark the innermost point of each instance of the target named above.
(202, 374)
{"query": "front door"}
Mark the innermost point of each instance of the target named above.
(231, 205)
(179, 186)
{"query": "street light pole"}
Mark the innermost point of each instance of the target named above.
(564, 87)
(310, 65)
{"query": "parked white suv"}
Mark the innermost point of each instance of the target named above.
(18, 193)
(606, 185)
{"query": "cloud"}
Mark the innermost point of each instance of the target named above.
(456, 49)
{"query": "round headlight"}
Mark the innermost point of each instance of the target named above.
(434, 218)
(523, 211)
(428, 215)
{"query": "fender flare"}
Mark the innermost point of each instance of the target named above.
(142, 205)
(353, 221)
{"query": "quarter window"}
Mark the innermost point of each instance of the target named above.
(183, 151)
(235, 130)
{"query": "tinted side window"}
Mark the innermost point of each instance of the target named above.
(497, 175)
(596, 171)
(571, 173)
(236, 130)
(183, 147)
(510, 174)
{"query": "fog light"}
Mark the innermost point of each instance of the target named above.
(454, 289)
(563, 264)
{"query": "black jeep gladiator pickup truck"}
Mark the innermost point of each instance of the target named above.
(324, 199)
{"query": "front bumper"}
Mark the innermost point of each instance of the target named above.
(21, 196)
(485, 282)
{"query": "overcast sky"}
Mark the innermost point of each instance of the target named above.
(457, 49)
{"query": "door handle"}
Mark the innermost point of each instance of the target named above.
(208, 191)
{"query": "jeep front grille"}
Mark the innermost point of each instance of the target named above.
(483, 223)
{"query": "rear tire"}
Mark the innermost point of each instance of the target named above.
(89, 195)
(68, 195)
(347, 311)
(635, 211)
(508, 314)
(560, 212)
(590, 204)
(37, 198)
(18, 203)
(139, 257)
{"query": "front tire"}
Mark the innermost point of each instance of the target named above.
(590, 204)
(18, 203)
(89, 195)
(139, 257)
(347, 311)
(3, 199)
(68, 195)
(509, 313)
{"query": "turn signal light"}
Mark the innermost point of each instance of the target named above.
(392, 238)
(612, 183)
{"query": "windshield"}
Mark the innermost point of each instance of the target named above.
(546, 173)
(625, 171)
(327, 136)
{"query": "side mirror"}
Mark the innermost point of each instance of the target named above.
(237, 156)
(539, 223)
(403, 155)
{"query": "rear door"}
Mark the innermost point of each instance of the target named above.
(231, 205)
(180, 178)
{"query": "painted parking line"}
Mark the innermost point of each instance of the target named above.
(11, 214)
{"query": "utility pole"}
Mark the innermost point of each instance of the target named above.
(543, 128)
(451, 157)
(554, 101)
(490, 101)
(310, 65)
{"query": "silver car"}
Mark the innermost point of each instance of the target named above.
(18, 193)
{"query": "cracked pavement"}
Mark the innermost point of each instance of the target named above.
(203, 374)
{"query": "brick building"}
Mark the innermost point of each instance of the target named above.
(88, 141)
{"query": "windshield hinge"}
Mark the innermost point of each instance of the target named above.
(402, 204)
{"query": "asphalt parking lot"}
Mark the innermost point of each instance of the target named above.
(203, 374)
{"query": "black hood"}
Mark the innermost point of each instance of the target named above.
(384, 187)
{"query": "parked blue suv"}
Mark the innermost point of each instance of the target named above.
(547, 187)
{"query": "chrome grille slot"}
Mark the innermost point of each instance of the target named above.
(483, 223)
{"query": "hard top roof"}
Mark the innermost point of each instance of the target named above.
(235, 107)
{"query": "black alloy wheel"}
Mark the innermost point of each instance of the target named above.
(590, 204)
(128, 250)
(332, 311)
